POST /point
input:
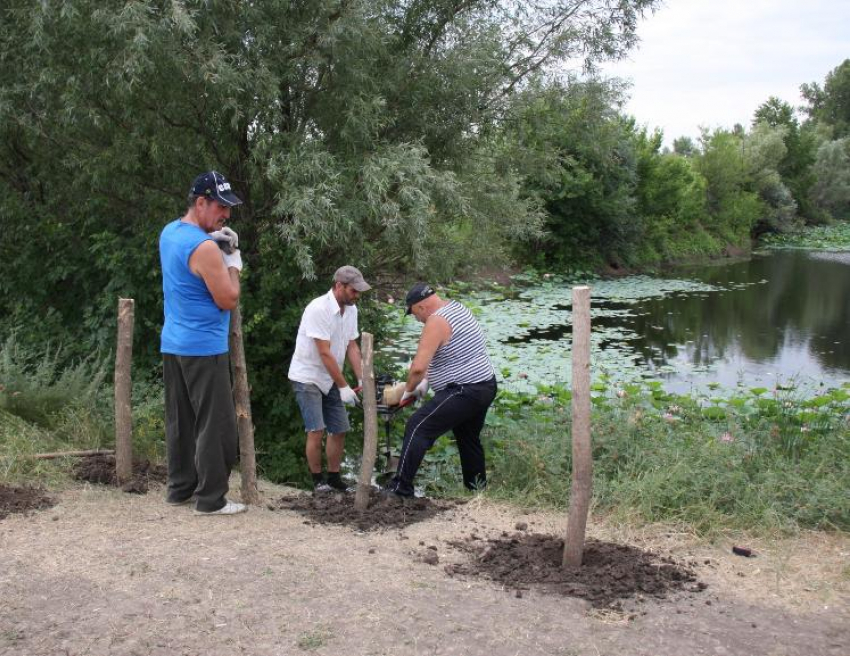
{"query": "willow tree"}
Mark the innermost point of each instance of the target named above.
(355, 130)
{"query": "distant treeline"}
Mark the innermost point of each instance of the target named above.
(413, 139)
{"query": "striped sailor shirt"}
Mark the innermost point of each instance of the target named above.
(463, 358)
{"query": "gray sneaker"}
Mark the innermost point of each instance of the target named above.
(322, 488)
(392, 498)
(229, 508)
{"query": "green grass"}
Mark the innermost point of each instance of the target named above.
(49, 405)
(759, 460)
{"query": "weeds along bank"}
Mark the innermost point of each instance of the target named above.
(758, 460)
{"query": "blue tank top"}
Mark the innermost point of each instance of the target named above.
(194, 324)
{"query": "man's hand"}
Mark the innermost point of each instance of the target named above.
(421, 389)
(348, 396)
(233, 260)
(227, 239)
(405, 396)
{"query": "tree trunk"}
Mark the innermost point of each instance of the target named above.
(242, 403)
(370, 424)
(123, 388)
(582, 484)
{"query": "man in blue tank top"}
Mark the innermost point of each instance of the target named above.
(200, 284)
(452, 359)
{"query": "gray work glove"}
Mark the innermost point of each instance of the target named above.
(227, 239)
(421, 389)
(232, 260)
(348, 396)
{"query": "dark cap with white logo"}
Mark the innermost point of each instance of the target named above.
(419, 292)
(213, 186)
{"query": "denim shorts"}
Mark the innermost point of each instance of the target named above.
(321, 411)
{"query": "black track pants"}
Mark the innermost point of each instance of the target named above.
(200, 428)
(457, 408)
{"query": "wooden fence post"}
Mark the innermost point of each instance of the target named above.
(123, 388)
(370, 424)
(582, 484)
(242, 403)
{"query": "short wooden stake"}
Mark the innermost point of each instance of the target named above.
(370, 424)
(582, 484)
(123, 388)
(242, 402)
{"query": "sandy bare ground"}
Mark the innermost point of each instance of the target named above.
(103, 572)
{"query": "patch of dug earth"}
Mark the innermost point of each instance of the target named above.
(338, 508)
(101, 469)
(610, 574)
(22, 500)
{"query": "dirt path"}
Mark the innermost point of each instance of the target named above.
(104, 572)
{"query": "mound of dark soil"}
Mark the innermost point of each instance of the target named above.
(22, 500)
(610, 573)
(338, 508)
(101, 469)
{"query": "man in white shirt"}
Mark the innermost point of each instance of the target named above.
(327, 334)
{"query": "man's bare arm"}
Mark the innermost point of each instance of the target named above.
(223, 283)
(436, 332)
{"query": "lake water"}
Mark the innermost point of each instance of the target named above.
(778, 318)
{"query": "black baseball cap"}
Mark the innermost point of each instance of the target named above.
(419, 292)
(212, 185)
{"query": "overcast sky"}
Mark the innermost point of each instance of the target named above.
(713, 62)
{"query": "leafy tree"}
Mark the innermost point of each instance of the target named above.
(831, 192)
(354, 130)
(576, 151)
(684, 146)
(733, 206)
(794, 168)
(830, 104)
(764, 152)
(671, 199)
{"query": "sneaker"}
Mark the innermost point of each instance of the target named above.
(393, 498)
(178, 502)
(322, 488)
(229, 508)
(338, 484)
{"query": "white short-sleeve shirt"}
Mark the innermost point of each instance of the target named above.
(322, 319)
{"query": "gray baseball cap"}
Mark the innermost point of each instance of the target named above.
(350, 275)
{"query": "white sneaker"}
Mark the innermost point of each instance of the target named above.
(229, 508)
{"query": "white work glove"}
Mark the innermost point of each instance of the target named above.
(228, 239)
(233, 260)
(348, 396)
(421, 389)
(405, 396)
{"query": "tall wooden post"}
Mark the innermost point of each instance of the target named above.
(123, 388)
(242, 403)
(370, 424)
(582, 485)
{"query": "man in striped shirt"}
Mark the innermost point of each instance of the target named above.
(452, 359)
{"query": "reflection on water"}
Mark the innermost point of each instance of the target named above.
(778, 316)
(783, 317)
